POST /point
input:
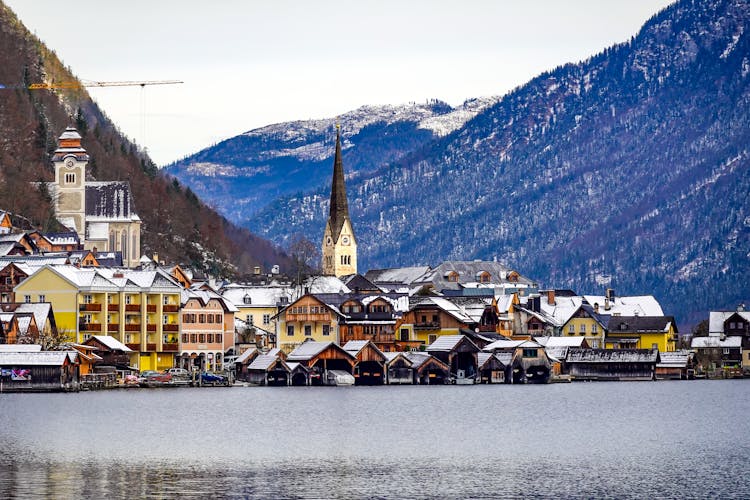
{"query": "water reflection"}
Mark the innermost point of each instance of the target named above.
(580, 440)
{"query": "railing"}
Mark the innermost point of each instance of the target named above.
(90, 307)
(487, 328)
(134, 346)
(171, 328)
(427, 325)
(150, 308)
(133, 327)
(90, 327)
(150, 328)
(113, 327)
(133, 307)
(308, 317)
(151, 347)
(170, 308)
(113, 307)
(171, 347)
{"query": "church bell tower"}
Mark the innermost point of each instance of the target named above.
(70, 161)
(339, 244)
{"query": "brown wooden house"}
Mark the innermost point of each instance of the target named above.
(11, 275)
(370, 368)
(322, 358)
(43, 371)
(460, 354)
(428, 370)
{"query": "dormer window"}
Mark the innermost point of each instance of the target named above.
(452, 276)
(247, 300)
(70, 178)
(483, 277)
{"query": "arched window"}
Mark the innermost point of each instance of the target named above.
(247, 300)
(112, 241)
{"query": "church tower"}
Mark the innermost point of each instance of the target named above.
(339, 244)
(70, 161)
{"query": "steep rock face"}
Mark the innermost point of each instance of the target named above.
(242, 175)
(176, 224)
(629, 169)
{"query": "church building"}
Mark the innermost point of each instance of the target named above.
(339, 244)
(102, 213)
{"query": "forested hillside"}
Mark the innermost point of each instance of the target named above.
(176, 223)
(628, 169)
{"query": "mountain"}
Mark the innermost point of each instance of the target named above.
(242, 175)
(176, 223)
(629, 170)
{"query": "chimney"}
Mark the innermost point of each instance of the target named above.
(256, 270)
(741, 308)
(551, 297)
(607, 306)
(93, 250)
(155, 258)
(596, 307)
(611, 294)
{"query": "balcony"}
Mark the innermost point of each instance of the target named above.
(90, 307)
(427, 325)
(113, 307)
(171, 328)
(113, 327)
(308, 317)
(150, 308)
(487, 328)
(150, 328)
(134, 346)
(171, 308)
(133, 327)
(151, 347)
(171, 347)
(133, 307)
(90, 327)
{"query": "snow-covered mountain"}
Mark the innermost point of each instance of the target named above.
(243, 174)
(630, 169)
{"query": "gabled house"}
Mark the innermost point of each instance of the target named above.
(113, 353)
(429, 318)
(642, 332)
(370, 367)
(11, 275)
(6, 225)
(326, 362)
(207, 330)
(460, 354)
(732, 324)
(612, 364)
(717, 353)
(428, 370)
(308, 318)
(526, 361)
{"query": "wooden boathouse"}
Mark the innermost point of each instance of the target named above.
(43, 371)
(612, 364)
(428, 370)
(370, 366)
(321, 359)
(460, 354)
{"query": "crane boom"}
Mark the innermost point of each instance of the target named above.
(88, 83)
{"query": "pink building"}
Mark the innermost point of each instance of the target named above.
(207, 330)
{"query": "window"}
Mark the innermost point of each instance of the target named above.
(8, 281)
(326, 330)
(308, 330)
(404, 334)
(210, 338)
(42, 298)
(725, 350)
(165, 300)
(583, 329)
(193, 338)
(266, 319)
(128, 299)
(70, 178)
(87, 299)
(595, 344)
(124, 247)
(185, 338)
(201, 318)
(201, 338)
(529, 353)
(27, 299)
(594, 329)
(217, 338)
(247, 300)
(431, 338)
(290, 330)
(571, 329)
(165, 320)
(250, 320)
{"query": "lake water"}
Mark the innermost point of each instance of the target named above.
(622, 440)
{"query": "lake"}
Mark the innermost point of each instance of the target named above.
(618, 439)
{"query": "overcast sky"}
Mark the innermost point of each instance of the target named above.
(247, 64)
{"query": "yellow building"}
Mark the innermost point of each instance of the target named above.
(642, 332)
(431, 317)
(138, 308)
(307, 319)
(257, 306)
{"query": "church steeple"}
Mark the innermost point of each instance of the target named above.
(339, 244)
(339, 210)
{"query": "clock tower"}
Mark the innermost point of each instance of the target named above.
(339, 244)
(70, 161)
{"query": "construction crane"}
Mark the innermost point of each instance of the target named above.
(89, 83)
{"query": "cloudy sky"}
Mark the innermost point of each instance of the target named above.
(247, 64)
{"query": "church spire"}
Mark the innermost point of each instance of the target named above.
(339, 210)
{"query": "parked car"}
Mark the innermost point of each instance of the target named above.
(153, 378)
(209, 378)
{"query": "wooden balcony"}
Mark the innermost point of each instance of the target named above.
(113, 307)
(427, 325)
(487, 328)
(308, 317)
(171, 347)
(170, 308)
(151, 347)
(90, 307)
(134, 346)
(133, 327)
(171, 328)
(113, 327)
(133, 307)
(90, 327)
(150, 308)
(150, 328)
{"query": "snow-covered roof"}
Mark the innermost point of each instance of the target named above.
(560, 341)
(447, 306)
(511, 344)
(204, 296)
(258, 296)
(20, 348)
(262, 362)
(104, 278)
(112, 343)
(308, 350)
(445, 343)
(97, 231)
(354, 346)
(42, 358)
(483, 357)
(708, 342)
(396, 276)
(612, 355)
(674, 359)
(109, 201)
(40, 310)
(246, 355)
(716, 320)
(326, 284)
(636, 305)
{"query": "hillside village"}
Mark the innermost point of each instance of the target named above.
(84, 309)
